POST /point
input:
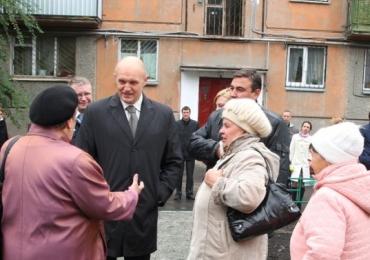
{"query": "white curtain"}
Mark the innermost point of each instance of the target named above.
(315, 66)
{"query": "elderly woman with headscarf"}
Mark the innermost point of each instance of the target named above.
(336, 221)
(238, 180)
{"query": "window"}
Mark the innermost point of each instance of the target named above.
(224, 17)
(311, 1)
(367, 72)
(146, 50)
(306, 67)
(45, 56)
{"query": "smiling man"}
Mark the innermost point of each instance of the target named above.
(83, 89)
(128, 133)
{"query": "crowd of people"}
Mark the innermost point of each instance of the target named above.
(87, 179)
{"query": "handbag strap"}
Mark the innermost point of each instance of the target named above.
(268, 168)
(7, 150)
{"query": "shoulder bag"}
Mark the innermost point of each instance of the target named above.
(275, 211)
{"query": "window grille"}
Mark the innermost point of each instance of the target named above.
(367, 71)
(306, 67)
(224, 17)
(146, 50)
(45, 56)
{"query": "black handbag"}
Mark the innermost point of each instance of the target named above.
(275, 211)
(2, 176)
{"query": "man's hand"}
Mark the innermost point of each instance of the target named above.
(136, 185)
(211, 176)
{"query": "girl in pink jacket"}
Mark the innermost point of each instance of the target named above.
(336, 221)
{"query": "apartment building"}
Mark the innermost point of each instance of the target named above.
(314, 55)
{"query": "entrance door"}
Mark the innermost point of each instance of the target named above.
(208, 88)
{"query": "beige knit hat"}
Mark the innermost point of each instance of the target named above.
(248, 115)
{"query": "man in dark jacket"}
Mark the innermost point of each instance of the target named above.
(128, 133)
(365, 156)
(83, 89)
(186, 126)
(204, 143)
(3, 129)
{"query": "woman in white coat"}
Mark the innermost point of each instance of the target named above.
(238, 180)
(299, 158)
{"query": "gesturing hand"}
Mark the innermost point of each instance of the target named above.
(136, 185)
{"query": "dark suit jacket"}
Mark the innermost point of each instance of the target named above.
(185, 130)
(155, 154)
(3, 132)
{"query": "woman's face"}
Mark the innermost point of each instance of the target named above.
(317, 162)
(306, 128)
(220, 102)
(229, 132)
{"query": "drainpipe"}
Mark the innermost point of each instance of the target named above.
(263, 18)
(186, 16)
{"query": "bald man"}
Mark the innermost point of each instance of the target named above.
(128, 133)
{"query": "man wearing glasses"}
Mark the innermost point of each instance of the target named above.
(83, 89)
(205, 142)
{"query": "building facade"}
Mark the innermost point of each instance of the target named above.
(314, 55)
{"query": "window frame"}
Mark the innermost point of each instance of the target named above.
(366, 90)
(326, 2)
(303, 86)
(223, 27)
(139, 40)
(33, 46)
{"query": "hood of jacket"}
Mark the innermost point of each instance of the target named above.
(350, 179)
(248, 141)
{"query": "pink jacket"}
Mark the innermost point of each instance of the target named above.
(54, 199)
(336, 221)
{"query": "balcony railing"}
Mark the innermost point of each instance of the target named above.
(85, 8)
(359, 19)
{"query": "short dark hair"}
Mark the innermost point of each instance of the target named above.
(252, 75)
(307, 122)
(185, 108)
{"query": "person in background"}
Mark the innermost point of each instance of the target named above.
(186, 126)
(128, 133)
(336, 221)
(83, 89)
(3, 128)
(336, 120)
(204, 143)
(287, 117)
(238, 180)
(299, 159)
(221, 98)
(365, 155)
(54, 194)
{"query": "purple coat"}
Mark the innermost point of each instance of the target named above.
(54, 199)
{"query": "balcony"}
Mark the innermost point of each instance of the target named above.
(359, 20)
(65, 13)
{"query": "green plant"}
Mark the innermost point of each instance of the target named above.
(15, 21)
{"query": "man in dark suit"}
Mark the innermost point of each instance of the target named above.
(3, 128)
(128, 133)
(83, 89)
(186, 126)
(365, 156)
